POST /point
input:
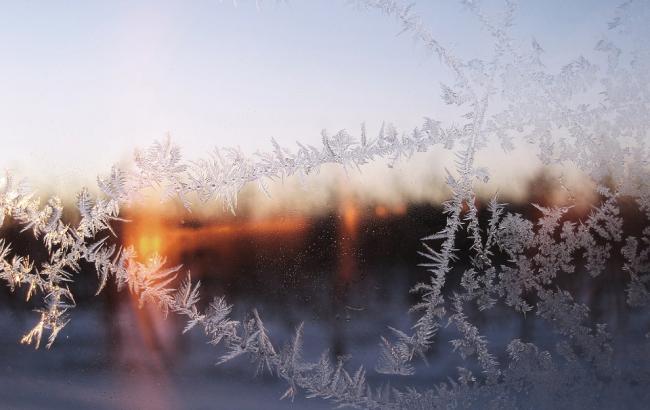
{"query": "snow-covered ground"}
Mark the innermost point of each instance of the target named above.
(139, 360)
(80, 372)
(136, 359)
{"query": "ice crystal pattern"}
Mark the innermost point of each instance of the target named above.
(510, 98)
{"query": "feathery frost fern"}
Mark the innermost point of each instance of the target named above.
(509, 98)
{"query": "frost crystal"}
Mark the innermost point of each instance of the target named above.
(509, 98)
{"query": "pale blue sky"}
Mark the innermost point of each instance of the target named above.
(83, 83)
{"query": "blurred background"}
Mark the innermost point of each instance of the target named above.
(344, 269)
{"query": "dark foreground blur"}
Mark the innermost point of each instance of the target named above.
(347, 275)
